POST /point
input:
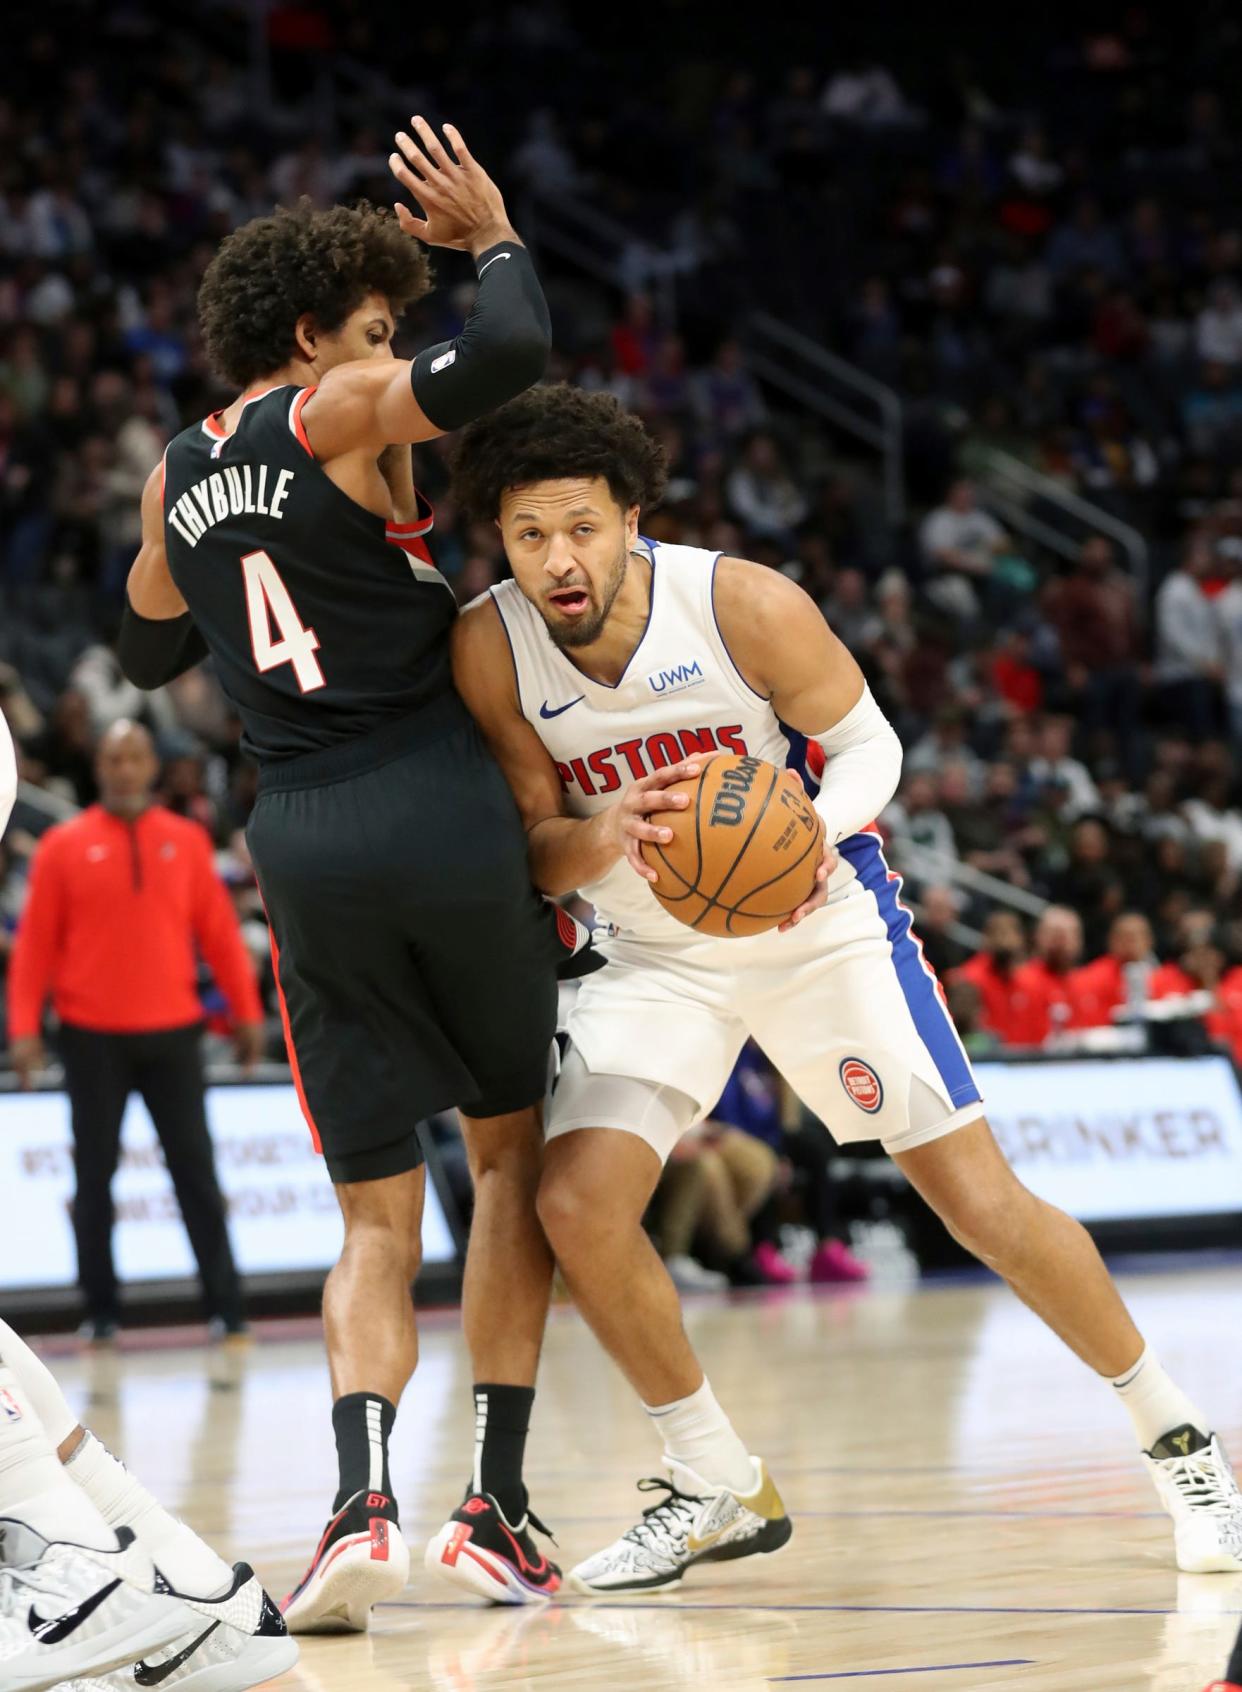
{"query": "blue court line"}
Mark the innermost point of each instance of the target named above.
(934, 1515)
(672, 1608)
(929, 1668)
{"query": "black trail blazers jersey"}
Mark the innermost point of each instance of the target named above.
(325, 622)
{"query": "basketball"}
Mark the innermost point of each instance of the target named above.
(744, 852)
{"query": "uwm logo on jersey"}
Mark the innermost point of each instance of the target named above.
(613, 767)
(679, 678)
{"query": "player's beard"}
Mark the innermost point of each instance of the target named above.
(586, 630)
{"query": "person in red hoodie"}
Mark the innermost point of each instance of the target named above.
(1120, 977)
(1201, 968)
(1010, 1010)
(122, 900)
(1048, 978)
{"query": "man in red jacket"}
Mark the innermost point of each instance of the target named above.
(1010, 1010)
(1199, 969)
(1048, 979)
(1120, 976)
(121, 901)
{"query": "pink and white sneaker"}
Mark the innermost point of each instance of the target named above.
(776, 1270)
(835, 1264)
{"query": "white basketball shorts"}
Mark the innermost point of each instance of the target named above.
(845, 1007)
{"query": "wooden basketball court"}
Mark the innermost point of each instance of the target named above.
(969, 1509)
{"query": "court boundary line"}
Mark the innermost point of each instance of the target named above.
(928, 1668)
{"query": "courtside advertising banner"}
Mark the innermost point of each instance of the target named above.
(282, 1212)
(1122, 1139)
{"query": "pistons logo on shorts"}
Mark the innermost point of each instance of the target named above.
(10, 1409)
(862, 1084)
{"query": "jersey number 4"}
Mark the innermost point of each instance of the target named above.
(269, 606)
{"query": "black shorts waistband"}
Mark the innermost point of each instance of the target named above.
(431, 722)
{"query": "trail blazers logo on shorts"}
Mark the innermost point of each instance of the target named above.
(862, 1084)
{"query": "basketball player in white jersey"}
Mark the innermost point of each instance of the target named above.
(94, 1574)
(600, 675)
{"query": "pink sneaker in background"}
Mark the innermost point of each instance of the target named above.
(835, 1262)
(772, 1266)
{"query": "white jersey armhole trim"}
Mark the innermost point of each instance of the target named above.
(748, 695)
(494, 594)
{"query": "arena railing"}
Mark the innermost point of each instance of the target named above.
(796, 366)
(831, 387)
(927, 867)
(1052, 515)
(836, 390)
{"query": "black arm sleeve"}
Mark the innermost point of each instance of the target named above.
(153, 650)
(502, 350)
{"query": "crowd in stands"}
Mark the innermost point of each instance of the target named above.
(1060, 279)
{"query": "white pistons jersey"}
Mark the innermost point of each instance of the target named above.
(845, 1005)
(681, 693)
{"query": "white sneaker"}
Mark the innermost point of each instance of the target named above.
(69, 1610)
(1197, 1487)
(689, 1275)
(238, 1640)
(693, 1523)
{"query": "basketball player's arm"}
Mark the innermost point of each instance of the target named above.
(502, 349)
(786, 652)
(565, 852)
(158, 639)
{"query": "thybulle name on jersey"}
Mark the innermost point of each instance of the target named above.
(232, 491)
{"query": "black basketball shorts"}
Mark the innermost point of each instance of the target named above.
(416, 965)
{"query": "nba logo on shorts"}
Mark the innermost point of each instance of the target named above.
(9, 1407)
(862, 1084)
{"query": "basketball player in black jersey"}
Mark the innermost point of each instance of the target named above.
(416, 966)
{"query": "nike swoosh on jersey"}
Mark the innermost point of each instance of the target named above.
(147, 1674)
(60, 1627)
(545, 710)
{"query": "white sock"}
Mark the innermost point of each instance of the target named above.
(1156, 1404)
(697, 1432)
(34, 1487)
(176, 1550)
(39, 1385)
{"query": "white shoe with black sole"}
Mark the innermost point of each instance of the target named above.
(693, 1523)
(68, 1611)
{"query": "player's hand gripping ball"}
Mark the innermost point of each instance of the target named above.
(745, 851)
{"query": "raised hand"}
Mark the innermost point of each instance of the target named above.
(462, 206)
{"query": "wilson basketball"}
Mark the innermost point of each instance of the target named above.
(744, 851)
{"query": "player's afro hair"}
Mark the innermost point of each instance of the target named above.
(300, 259)
(552, 432)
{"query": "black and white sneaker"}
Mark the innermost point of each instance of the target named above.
(693, 1523)
(360, 1561)
(70, 1610)
(1197, 1487)
(238, 1640)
